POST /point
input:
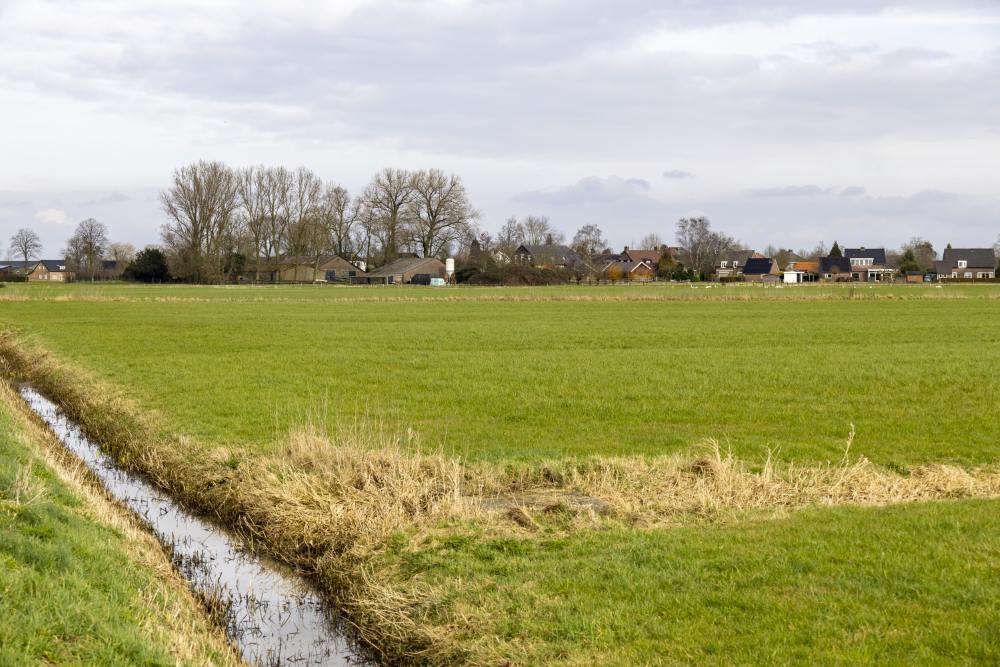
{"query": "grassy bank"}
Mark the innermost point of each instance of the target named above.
(80, 582)
(610, 560)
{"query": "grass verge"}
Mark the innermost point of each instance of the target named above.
(80, 581)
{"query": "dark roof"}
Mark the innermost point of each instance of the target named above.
(740, 256)
(54, 265)
(550, 254)
(18, 264)
(877, 255)
(109, 264)
(834, 265)
(408, 265)
(757, 266)
(602, 258)
(978, 258)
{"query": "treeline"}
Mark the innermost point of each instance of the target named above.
(224, 221)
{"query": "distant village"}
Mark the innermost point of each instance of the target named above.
(556, 263)
(275, 225)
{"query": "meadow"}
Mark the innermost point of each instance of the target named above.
(794, 551)
(641, 370)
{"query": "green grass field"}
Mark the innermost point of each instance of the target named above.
(545, 377)
(499, 375)
(75, 588)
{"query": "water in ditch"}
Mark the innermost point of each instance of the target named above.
(273, 616)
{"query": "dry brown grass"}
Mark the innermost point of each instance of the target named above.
(326, 503)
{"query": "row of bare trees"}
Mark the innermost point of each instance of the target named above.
(85, 250)
(223, 220)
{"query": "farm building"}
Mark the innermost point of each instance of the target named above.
(416, 270)
(548, 256)
(761, 270)
(16, 268)
(325, 268)
(967, 264)
(51, 270)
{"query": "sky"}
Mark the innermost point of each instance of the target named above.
(785, 122)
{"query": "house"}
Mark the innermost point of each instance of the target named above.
(16, 268)
(835, 269)
(325, 268)
(415, 270)
(51, 270)
(801, 271)
(548, 256)
(761, 270)
(730, 263)
(869, 264)
(629, 271)
(967, 264)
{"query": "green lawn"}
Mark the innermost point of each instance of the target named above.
(902, 585)
(75, 589)
(545, 377)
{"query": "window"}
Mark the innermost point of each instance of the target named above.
(968, 274)
(954, 274)
(963, 263)
(725, 264)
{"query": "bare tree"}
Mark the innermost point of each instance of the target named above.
(650, 242)
(275, 193)
(122, 254)
(25, 244)
(201, 206)
(538, 230)
(338, 216)
(86, 248)
(440, 212)
(923, 251)
(511, 235)
(250, 185)
(305, 234)
(386, 200)
(701, 245)
(589, 240)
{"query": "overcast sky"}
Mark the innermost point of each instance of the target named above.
(785, 122)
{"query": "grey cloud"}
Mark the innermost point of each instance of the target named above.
(904, 57)
(853, 191)
(789, 191)
(677, 174)
(113, 198)
(589, 190)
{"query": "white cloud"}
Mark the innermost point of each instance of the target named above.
(52, 216)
